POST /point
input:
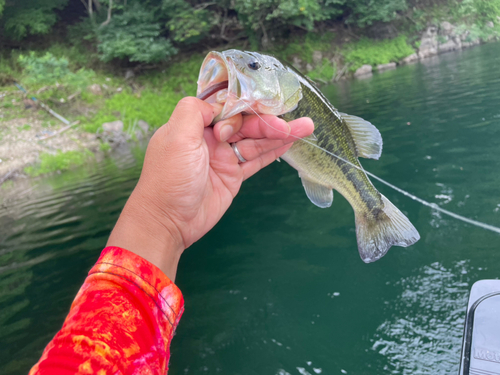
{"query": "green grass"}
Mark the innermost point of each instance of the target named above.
(105, 146)
(155, 103)
(367, 51)
(58, 162)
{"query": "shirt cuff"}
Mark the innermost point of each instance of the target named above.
(145, 275)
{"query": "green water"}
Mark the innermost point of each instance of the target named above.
(278, 287)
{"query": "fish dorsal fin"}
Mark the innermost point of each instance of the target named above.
(320, 195)
(366, 136)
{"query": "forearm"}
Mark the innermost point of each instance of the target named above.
(122, 320)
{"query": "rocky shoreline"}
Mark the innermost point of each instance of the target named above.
(434, 41)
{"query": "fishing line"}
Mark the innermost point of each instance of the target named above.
(399, 190)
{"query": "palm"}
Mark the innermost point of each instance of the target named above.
(197, 175)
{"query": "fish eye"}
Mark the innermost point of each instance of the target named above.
(254, 65)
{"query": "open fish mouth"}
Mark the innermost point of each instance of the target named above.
(218, 83)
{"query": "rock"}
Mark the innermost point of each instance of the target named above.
(297, 63)
(465, 35)
(143, 129)
(449, 46)
(317, 57)
(446, 28)
(113, 127)
(382, 67)
(466, 44)
(410, 59)
(309, 67)
(364, 70)
(428, 44)
(129, 74)
(95, 89)
(490, 24)
(143, 125)
(113, 133)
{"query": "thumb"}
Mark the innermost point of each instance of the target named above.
(192, 115)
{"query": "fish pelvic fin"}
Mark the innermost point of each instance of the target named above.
(320, 195)
(376, 235)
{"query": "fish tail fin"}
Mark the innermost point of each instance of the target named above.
(376, 235)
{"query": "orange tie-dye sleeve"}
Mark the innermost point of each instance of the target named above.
(121, 322)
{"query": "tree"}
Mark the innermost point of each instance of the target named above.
(29, 17)
(134, 34)
(366, 12)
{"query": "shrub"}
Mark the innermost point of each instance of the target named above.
(44, 69)
(30, 17)
(48, 69)
(134, 35)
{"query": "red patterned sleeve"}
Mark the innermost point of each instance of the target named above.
(121, 322)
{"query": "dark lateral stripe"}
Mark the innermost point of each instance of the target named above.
(333, 136)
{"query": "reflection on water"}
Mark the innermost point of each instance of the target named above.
(424, 332)
(277, 287)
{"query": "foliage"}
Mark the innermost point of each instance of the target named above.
(48, 69)
(157, 100)
(487, 10)
(305, 46)
(366, 12)
(478, 32)
(134, 35)
(367, 51)
(30, 17)
(44, 69)
(481, 11)
(267, 15)
(190, 26)
(60, 161)
(324, 72)
(105, 146)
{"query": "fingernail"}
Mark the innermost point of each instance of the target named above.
(225, 132)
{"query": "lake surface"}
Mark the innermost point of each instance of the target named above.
(277, 287)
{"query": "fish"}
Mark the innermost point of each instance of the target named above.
(256, 83)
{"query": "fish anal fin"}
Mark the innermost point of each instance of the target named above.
(366, 136)
(320, 195)
(390, 228)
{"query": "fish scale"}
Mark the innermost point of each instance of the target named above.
(333, 135)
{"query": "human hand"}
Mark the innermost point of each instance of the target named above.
(191, 175)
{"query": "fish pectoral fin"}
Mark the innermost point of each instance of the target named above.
(320, 195)
(366, 136)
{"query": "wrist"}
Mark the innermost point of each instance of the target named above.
(141, 230)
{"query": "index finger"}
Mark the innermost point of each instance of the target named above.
(262, 126)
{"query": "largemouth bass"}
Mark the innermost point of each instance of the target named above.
(251, 82)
